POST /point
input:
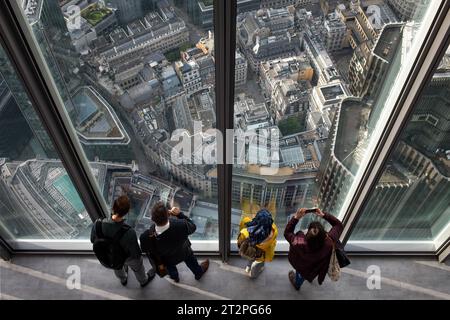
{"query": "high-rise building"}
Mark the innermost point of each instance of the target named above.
(413, 189)
(128, 10)
(415, 183)
(267, 34)
(50, 30)
(312, 38)
(372, 59)
(43, 189)
(202, 11)
(290, 98)
(241, 67)
(336, 33)
(189, 74)
(420, 160)
(407, 9)
(13, 126)
(429, 127)
(156, 32)
(203, 54)
(360, 28)
(346, 146)
(25, 106)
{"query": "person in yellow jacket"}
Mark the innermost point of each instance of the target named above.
(267, 246)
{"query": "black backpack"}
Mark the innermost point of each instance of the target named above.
(108, 250)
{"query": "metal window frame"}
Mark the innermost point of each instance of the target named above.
(5, 250)
(443, 244)
(224, 54)
(16, 38)
(431, 53)
(80, 246)
(443, 253)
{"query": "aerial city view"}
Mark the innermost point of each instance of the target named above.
(132, 72)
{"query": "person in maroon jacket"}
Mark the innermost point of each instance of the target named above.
(310, 254)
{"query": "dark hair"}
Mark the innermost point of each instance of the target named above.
(160, 214)
(121, 206)
(315, 237)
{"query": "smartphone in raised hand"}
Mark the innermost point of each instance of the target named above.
(175, 211)
(311, 210)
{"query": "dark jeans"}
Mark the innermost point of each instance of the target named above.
(298, 279)
(191, 263)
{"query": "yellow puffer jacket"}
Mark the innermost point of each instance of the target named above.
(268, 245)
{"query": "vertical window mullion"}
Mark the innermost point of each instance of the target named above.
(224, 51)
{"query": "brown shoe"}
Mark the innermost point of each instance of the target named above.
(204, 265)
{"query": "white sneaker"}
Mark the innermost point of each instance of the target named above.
(256, 269)
(247, 269)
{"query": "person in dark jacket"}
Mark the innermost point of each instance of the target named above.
(128, 242)
(172, 244)
(310, 254)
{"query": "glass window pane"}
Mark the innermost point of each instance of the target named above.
(412, 198)
(319, 74)
(37, 198)
(132, 74)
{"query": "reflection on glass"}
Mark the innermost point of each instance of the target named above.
(131, 73)
(319, 72)
(37, 197)
(412, 198)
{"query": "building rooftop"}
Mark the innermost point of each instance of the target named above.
(332, 92)
(183, 200)
(32, 10)
(333, 22)
(388, 42)
(95, 13)
(351, 130)
(286, 67)
(380, 8)
(181, 114)
(151, 27)
(202, 107)
(96, 121)
(85, 108)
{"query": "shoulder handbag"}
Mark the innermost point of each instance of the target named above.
(341, 256)
(249, 251)
(334, 270)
